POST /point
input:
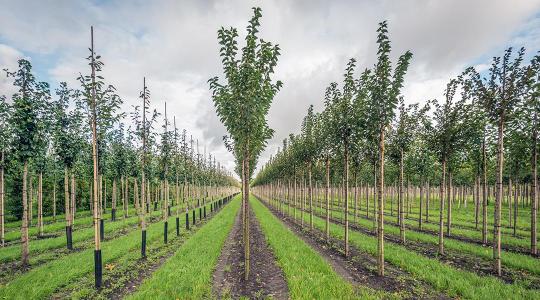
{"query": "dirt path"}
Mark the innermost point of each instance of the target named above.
(360, 268)
(266, 279)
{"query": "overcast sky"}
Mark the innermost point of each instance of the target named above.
(174, 44)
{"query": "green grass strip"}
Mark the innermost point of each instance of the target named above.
(308, 275)
(188, 273)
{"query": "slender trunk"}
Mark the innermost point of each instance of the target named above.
(346, 202)
(30, 199)
(449, 204)
(534, 192)
(516, 199)
(498, 197)
(40, 204)
(476, 194)
(355, 196)
(97, 239)
(113, 203)
(246, 215)
(310, 197)
(484, 193)
(400, 200)
(327, 198)
(73, 207)
(380, 201)
(441, 208)
(420, 205)
(24, 227)
(67, 209)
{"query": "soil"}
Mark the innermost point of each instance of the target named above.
(360, 268)
(266, 279)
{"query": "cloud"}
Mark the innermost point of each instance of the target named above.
(8, 60)
(174, 45)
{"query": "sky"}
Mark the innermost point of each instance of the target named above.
(174, 45)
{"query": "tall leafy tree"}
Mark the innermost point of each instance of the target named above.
(446, 136)
(242, 103)
(25, 130)
(67, 145)
(500, 94)
(385, 91)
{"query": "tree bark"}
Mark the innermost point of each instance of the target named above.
(310, 197)
(498, 197)
(40, 204)
(449, 204)
(441, 207)
(346, 195)
(400, 200)
(327, 198)
(534, 191)
(24, 227)
(380, 201)
(484, 193)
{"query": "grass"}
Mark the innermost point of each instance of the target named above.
(509, 259)
(188, 273)
(308, 275)
(40, 282)
(452, 281)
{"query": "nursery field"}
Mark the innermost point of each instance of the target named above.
(105, 194)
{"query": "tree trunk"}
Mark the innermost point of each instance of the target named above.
(484, 193)
(400, 200)
(67, 209)
(380, 201)
(327, 198)
(30, 198)
(498, 197)
(73, 201)
(420, 205)
(310, 198)
(534, 192)
(441, 208)
(40, 204)
(476, 194)
(24, 227)
(449, 204)
(346, 200)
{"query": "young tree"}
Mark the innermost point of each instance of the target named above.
(25, 129)
(500, 95)
(384, 97)
(66, 144)
(244, 100)
(402, 139)
(531, 110)
(446, 136)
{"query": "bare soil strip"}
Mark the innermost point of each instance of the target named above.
(266, 279)
(360, 268)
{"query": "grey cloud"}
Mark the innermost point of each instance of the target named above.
(174, 44)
